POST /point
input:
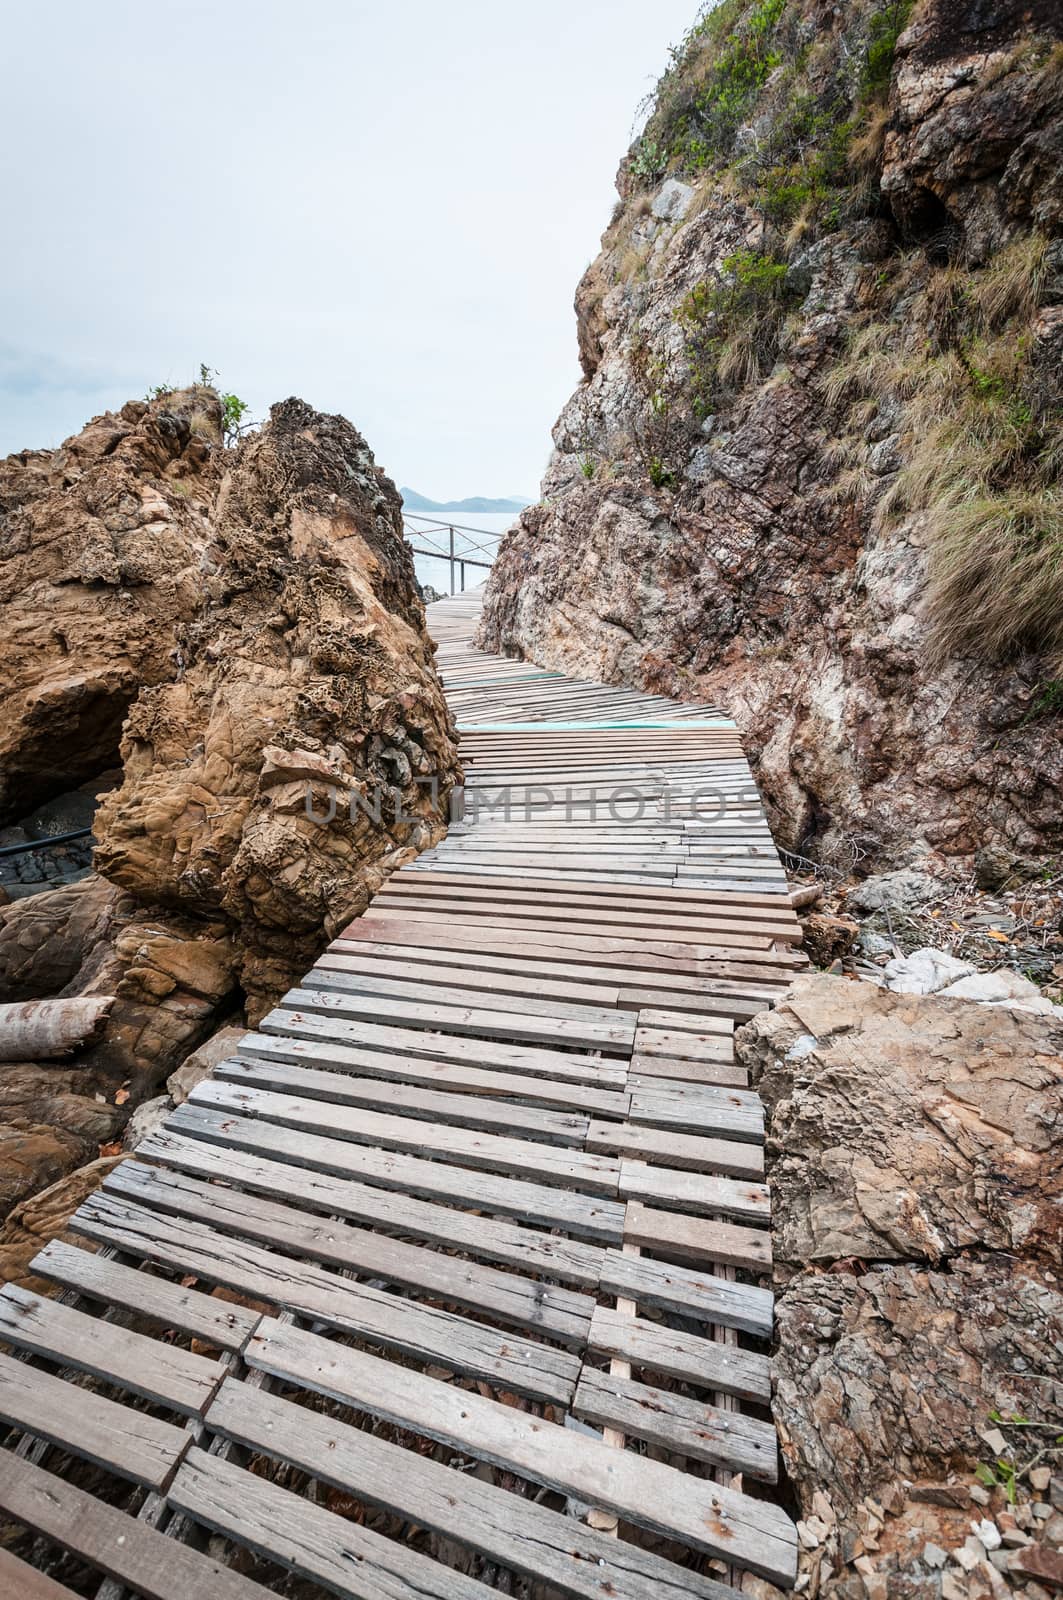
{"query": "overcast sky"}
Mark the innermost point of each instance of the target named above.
(383, 208)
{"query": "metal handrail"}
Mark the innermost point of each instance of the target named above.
(457, 560)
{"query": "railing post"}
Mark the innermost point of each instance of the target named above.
(451, 531)
(462, 566)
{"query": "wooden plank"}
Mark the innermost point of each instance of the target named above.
(216, 1322)
(503, 1296)
(110, 1435)
(683, 1045)
(126, 1549)
(448, 971)
(465, 1110)
(451, 1076)
(22, 1582)
(694, 1193)
(677, 1423)
(464, 1147)
(701, 1240)
(654, 1347)
(706, 1516)
(688, 1292)
(422, 1332)
(721, 1074)
(510, 1528)
(460, 986)
(578, 949)
(316, 1544)
(694, 931)
(666, 1103)
(690, 1152)
(584, 1216)
(477, 1021)
(492, 1053)
(391, 1211)
(147, 1367)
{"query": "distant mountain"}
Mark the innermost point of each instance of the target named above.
(475, 502)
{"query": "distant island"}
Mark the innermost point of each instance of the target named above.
(474, 502)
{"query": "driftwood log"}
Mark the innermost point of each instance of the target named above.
(46, 1030)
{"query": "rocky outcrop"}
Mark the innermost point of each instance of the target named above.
(917, 1201)
(304, 671)
(100, 559)
(812, 471)
(239, 634)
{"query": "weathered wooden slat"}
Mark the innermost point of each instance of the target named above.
(695, 1193)
(495, 1054)
(670, 1148)
(690, 1293)
(314, 1543)
(669, 1233)
(464, 1110)
(683, 1045)
(120, 1546)
(719, 1073)
(445, 1075)
(22, 1582)
(388, 1210)
(508, 1527)
(699, 1108)
(172, 1305)
(110, 1435)
(465, 1147)
(678, 1423)
(422, 1332)
(477, 1021)
(518, 1301)
(492, 991)
(710, 1518)
(673, 1353)
(147, 1367)
(585, 1216)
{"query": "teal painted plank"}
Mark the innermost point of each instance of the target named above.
(685, 726)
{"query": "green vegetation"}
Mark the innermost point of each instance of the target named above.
(233, 409)
(661, 474)
(884, 29)
(732, 326)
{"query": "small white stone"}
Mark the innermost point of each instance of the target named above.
(988, 1533)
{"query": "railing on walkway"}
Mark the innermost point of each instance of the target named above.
(453, 542)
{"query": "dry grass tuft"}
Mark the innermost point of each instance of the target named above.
(866, 148)
(996, 575)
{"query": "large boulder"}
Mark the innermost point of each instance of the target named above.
(233, 644)
(306, 678)
(916, 1206)
(906, 1127)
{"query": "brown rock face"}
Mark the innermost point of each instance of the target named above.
(916, 1204)
(241, 632)
(100, 549)
(908, 1127)
(305, 669)
(750, 500)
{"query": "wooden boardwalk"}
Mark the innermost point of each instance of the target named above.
(451, 1280)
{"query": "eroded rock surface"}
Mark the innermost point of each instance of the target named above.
(914, 1161)
(305, 667)
(240, 634)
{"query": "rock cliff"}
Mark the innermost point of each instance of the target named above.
(813, 469)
